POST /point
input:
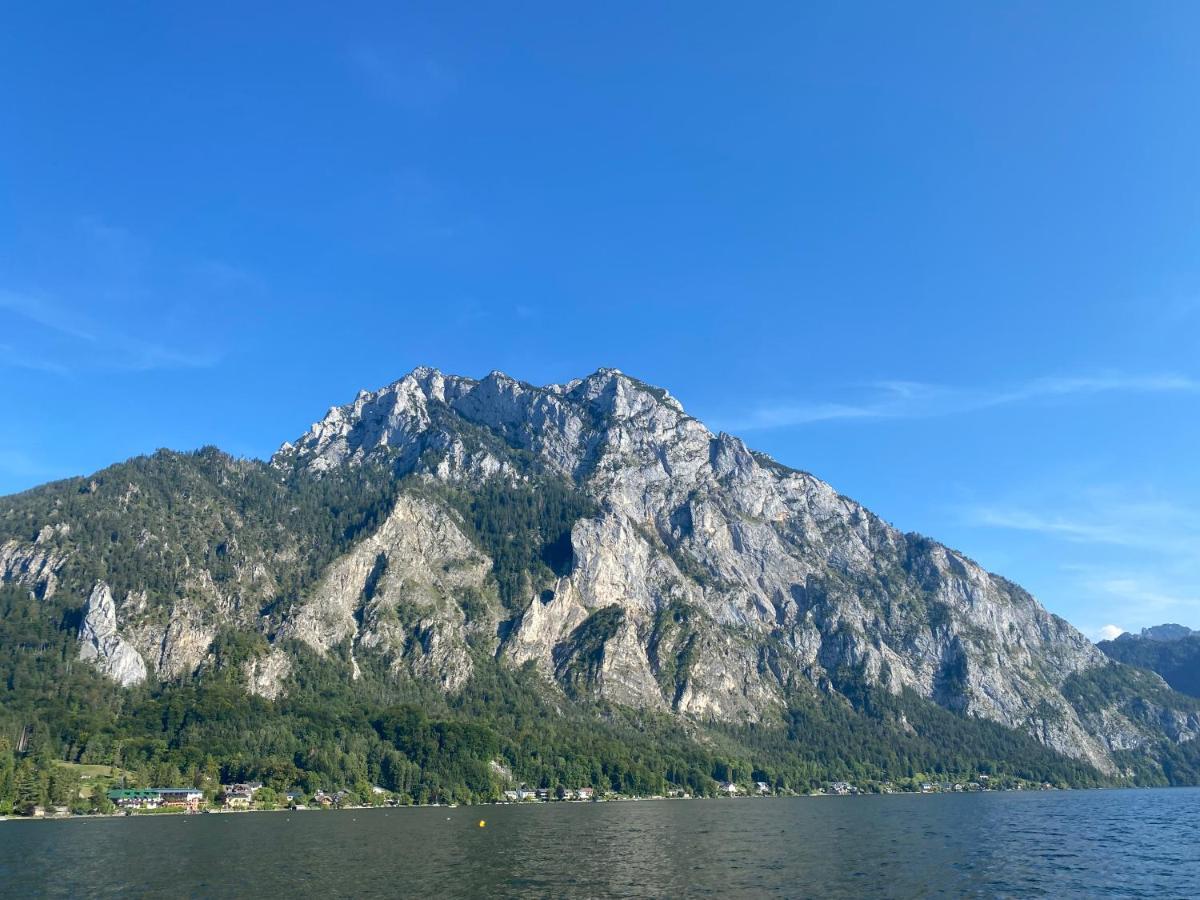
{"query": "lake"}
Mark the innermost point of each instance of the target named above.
(1128, 843)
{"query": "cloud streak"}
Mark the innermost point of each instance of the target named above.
(1104, 520)
(1134, 559)
(105, 348)
(44, 314)
(912, 400)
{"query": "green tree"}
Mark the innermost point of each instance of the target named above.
(266, 798)
(30, 788)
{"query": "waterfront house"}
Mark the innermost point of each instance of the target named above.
(762, 787)
(511, 796)
(239, 796)
(180, 798)
(135, 798)
(585, 793)
(729, 788)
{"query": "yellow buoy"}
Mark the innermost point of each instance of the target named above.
(482, 824)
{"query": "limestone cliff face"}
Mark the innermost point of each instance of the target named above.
(101, 643)
(266, 676)
(35, 564)
(399, 595)
(735, 578)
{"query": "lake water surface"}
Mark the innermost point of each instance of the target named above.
(1086, 844)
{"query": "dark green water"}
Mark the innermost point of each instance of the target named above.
(1085, 844)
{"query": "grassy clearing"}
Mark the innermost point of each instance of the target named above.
(93, 778)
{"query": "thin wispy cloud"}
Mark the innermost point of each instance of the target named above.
(1077, 531)
(470, 312)
(912, 399)
(118, 311)
(88, 345)
(1147, 594)
(13, 358)
(1104, 384)
(1129, 558)
(1136, 593)
(47, 315)
(1100, 518)
(788, 414)
(409, 80)
(110, 237)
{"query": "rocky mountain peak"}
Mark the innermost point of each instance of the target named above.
(748, 552)
(563, 424)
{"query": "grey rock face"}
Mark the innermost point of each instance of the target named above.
(102, 644)
(400, 594)
(265, 676)
(1168, 632)
(36, 564)
(736, 578)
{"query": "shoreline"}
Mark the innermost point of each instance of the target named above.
(553, 803)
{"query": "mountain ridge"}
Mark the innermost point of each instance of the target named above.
(639, 559)
(1170, 651)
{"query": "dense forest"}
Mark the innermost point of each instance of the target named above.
(1177, 661)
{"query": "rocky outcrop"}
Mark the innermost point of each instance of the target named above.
(412, 593)
(265, 675)
(101, 643)
(34, 564)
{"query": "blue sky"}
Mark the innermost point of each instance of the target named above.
(942, 255)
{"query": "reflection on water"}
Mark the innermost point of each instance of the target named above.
(1087, 844)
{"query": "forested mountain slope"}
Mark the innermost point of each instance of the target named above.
(1173, 651)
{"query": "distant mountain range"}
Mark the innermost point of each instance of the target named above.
(1173, 651)
(1166, 632)
(591, 540)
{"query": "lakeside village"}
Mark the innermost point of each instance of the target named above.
(244, 797)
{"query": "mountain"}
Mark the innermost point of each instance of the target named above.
(594, 548)
(1168, 632)
(1172, 651)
